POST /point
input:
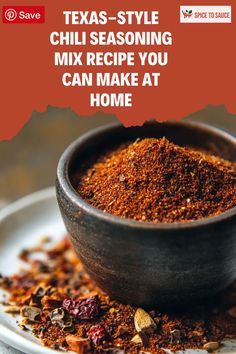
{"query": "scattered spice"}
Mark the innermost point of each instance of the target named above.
(13, 309)
(137, 339)
(78, 344)
(175, 335)
(60, 318)
(211, 346)
(57, 316)
(158, 181)
(232, 312)
(33, 314)
(143, 322)
(84, 319)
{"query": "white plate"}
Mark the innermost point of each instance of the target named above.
(21, 225)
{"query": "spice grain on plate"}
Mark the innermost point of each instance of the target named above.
(65, 310)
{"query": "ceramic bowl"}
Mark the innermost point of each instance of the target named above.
(143, 263)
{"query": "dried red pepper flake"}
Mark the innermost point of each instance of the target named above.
(98, 333)
(89, 308)
(82, 309)
(71, 306)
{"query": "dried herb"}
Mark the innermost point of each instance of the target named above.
(158, 181)
(88, 321)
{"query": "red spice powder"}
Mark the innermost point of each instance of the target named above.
(158, 181)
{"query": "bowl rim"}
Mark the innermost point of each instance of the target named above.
(64, 182)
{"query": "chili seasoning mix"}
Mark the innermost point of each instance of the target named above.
(158, 181)
(62, 307)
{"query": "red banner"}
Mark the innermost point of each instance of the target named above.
(80, 56)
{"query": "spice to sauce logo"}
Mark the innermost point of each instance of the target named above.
(205, 14)
(187, 13)
(23, 14)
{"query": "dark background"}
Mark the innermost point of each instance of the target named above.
(28, 161)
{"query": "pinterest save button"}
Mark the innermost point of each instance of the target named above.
(23, 14)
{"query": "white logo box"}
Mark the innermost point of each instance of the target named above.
(205, 14)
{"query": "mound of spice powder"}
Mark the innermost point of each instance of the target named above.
(158, 181)
(62, 307)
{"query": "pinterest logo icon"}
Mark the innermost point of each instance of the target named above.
(10, 14)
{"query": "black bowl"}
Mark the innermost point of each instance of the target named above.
(143, 263)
